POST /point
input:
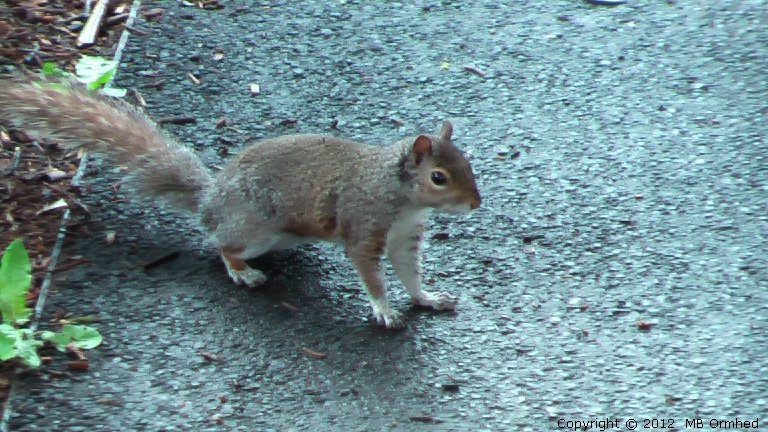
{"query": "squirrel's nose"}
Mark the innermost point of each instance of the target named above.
(475, 203)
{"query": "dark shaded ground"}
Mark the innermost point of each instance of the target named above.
(641, 175)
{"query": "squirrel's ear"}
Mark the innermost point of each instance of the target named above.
(446, 130)
(421, 147)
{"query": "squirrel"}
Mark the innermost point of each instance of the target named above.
(277, 193)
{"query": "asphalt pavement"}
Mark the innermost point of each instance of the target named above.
(617, 268)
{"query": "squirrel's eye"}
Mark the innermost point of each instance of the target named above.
(439, 178)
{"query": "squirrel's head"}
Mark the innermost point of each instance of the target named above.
(441, 175)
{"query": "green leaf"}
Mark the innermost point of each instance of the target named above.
(15, 278)
(115, 92)
(49, 68)
(95, 71)
(26, 348)
(80, 336)
(19, 343)
(8, 337)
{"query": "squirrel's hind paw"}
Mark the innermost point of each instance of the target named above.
(249, 277)
(436, 301)
(239, 271)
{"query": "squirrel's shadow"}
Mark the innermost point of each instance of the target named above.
(301, 290)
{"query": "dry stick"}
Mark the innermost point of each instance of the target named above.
(177, 120)
(124, 38)
(135, 30)
(115, 19)
(15, 161)
(68, 197)
(77, 180)
(87, 36)
(49, 273)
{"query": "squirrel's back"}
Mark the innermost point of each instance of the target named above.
(309, 185)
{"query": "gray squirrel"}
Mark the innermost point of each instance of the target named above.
(277, 193)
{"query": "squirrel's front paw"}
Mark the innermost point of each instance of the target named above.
(249, 277)
(385, 315)
(437, 301)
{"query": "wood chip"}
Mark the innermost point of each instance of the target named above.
(441, 236)
(451, 387)
(70, 264)
(210, 357)
(193, 78)
(54, 174)
(79, 365)
(116, 19)
(75, 352)
(177, 120)
(313, 353)
(153, 13)
(156, 84)
(90, 30)
(134, 30)
(60, 203)
(644, 325)
(474, 70)
(424, 419)
(110, 237)
(139, 98)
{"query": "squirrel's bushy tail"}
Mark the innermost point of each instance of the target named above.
(77, 117)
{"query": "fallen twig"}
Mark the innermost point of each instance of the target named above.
(14, 162)
(474, 70)
(177, 120)
(135, 30)
(71, 264)
(90, 30)
(68, 197)
(116, 19)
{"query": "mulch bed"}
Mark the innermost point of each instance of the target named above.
(36, 174)
(32, 33)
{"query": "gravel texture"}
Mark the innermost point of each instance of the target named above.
(620, 152)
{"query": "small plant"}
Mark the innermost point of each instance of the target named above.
(93, 71)
(51, 69)
(21, 343)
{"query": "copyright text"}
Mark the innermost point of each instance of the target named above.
(646, 423)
